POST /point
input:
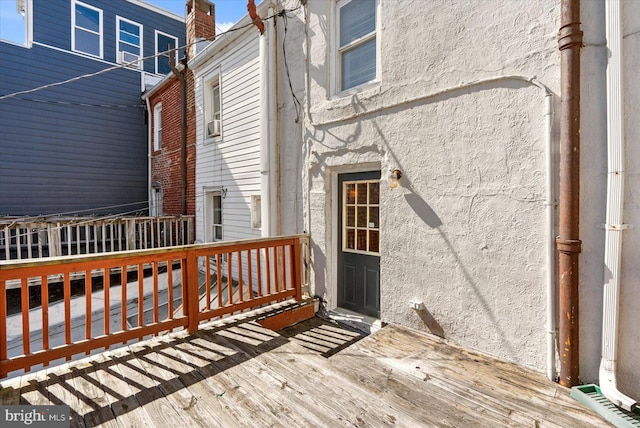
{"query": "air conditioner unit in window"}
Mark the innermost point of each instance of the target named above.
(213, 128)
(129, 59)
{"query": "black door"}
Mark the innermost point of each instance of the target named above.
(359, 242)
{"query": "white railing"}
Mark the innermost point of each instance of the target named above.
(39, 238)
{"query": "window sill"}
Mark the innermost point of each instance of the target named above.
(212, 140)
(365, 87)
(88, 55)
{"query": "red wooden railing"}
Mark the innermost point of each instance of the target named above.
(214, 280)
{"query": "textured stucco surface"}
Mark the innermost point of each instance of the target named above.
(465, 231)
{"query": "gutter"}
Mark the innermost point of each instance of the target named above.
(615, 206)
(274, 182)
(179, 73)
(149, 151)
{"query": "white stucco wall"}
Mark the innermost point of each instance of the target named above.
(464, 233)
(593, 195)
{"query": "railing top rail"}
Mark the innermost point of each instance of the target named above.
(14, 222)
(165, 251)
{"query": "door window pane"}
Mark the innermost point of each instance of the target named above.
(361, 216)
(351, 216)
(351, 239)
(351, 193)
(374, 241)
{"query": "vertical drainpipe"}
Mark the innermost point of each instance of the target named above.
(265, 172)
(615, 208)
(274, 149)
(149, 151)
(568, 242)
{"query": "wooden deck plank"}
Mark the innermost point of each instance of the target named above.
(145, 389)
(228, 374)
(297, 405)
(127, 409)
(33, 389)
(62, 392)
(93, 406)
(467, 374)
(162, 374)
(236, 373)
(340, 397)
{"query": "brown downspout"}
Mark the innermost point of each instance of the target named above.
(183, 130)
(568, 242)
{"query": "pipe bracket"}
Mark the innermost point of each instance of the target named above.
(570, 35)
(569, 246)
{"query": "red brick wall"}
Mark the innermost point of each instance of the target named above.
(200, 22)
(166, 162)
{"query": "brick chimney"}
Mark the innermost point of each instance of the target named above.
(201, 25)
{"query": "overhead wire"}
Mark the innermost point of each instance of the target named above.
(297, 104)
(128, 64)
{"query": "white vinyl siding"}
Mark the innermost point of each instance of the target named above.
(233, 162)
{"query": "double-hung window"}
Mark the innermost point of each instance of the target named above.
(157, 127)
(129, 42)
(213, 107)
(86, 32)
(163, 43)
(357, 42)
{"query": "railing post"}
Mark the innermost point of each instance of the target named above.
(192, 298)
(297, 263)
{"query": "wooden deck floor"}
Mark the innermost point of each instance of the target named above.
(314, 374)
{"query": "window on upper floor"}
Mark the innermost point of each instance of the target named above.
(129, 42)
(212, 106)
(164, 42)
(157, 127)
(357, 43)
(15, 22)
(86, 32)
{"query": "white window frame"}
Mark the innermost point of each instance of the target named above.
(27, 7)
(209, 212)
(119, 58)
(337, 51)
(156, 201)
(100, 33)
(157, 130)
(209, 83)
(157, 56)
(256, 211)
